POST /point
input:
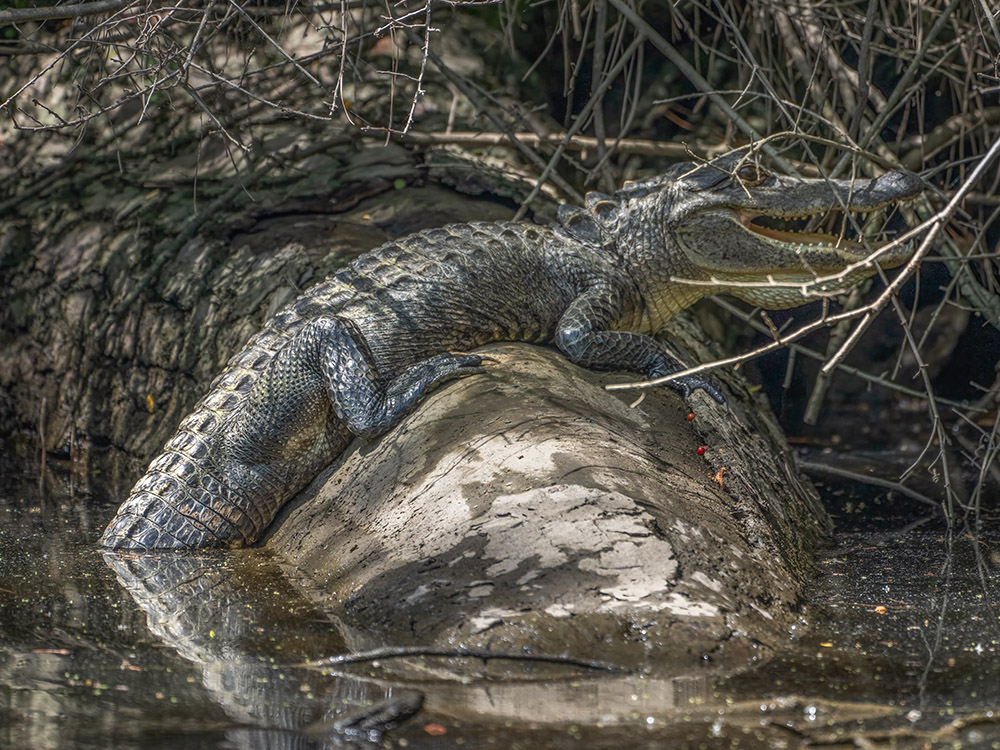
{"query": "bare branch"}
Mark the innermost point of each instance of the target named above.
(933, 227)
(666, 149)
(78, 10)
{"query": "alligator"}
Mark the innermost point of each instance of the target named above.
(355, 353)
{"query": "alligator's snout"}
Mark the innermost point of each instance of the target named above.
(782, 241)
(902, 184)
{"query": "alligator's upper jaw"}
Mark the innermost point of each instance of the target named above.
(828, 253)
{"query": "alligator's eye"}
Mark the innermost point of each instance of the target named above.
(751, 174)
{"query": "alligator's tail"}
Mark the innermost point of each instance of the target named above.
(177, 504)
(147, 522)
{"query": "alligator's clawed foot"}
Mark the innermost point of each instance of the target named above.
(448, 366)
(690, 383)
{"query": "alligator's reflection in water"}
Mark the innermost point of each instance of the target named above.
(902, 643)
(234, 621)
(250, 630)
(232, 617)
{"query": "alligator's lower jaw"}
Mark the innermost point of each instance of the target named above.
(804, 239)
(803, 244)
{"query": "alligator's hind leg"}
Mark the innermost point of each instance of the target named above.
(284, 435)
(276, 441)
(285, 418)
(367, 404)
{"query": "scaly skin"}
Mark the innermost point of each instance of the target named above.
(355, 354)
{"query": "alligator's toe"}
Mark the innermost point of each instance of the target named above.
(690, 383)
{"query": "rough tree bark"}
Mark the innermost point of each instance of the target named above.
(109, 332)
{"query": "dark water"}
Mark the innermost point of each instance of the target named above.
(195, 651)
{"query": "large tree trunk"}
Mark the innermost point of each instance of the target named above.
(528, 509)
(524, 508)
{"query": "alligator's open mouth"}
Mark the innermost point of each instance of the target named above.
(834, 231)
(777, 242)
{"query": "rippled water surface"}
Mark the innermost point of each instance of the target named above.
(898, 646)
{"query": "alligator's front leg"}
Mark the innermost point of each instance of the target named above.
(278, 440)
(583, 336)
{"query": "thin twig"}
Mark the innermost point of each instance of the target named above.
(795, 348)
(932, 226)
(664, 149)
(400, 652)
(778, 343)
(688, 71)
(578, 122)
(814, 467)
(77, 10)
(466, 87)
(274, 44)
